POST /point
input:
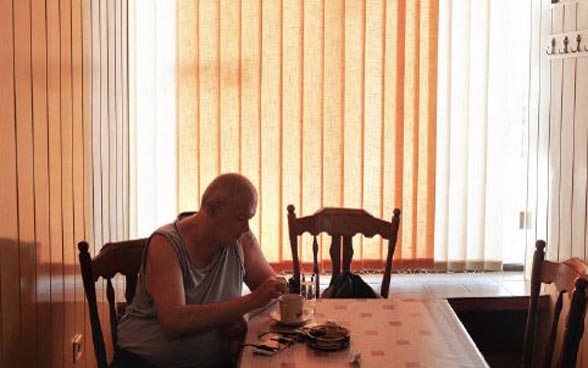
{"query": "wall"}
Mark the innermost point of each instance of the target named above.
(63, 167)
(558, 136)
(558, 133)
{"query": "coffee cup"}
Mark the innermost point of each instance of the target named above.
(291, 308)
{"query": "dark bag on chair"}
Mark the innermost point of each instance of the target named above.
(349, 285)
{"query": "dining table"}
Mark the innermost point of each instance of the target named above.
(383, 333)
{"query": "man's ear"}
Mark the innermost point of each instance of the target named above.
(213, 208)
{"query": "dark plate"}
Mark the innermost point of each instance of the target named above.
(328, 337)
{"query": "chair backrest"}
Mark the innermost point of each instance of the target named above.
(122, 257)
(566, 277)
(341, 224)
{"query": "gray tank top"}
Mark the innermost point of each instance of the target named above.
(222, 279)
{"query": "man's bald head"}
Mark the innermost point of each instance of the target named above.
(226, 189)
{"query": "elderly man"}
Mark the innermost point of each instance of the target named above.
(188, 307)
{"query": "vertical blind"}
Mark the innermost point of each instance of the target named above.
(152, 114)
(482, 120)
(320, 103)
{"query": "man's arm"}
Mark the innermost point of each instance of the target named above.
(165, 285)
(257, 269)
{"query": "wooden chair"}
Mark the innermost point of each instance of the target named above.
(122, 257)
(341, 224)
(566, 276)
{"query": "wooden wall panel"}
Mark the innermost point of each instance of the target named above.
(558, 169)
(96, 108)
(25, 188)
(87, 85)
(68, 247)
(580, 169)
(41, 180)
(555, 143)
(9, 250)
(561, 136)
(539, 208)
(55, 182)
(567, 96)
(48, 194)
(580, 223)
(78, 182)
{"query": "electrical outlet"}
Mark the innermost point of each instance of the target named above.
(76, 348)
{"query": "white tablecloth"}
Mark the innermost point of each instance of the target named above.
(407, 333)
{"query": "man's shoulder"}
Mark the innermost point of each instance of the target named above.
(164, 230)
(247, 240)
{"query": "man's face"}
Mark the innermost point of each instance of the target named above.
(232, 219)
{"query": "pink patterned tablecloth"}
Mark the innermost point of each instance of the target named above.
(407, 333)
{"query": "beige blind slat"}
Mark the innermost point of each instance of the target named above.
(209, 68)
(372, 153)
(229, 87)
(250, 96)
(333, 103)
(188, 114)
(312, 112)
(291, 114)
(271, 75)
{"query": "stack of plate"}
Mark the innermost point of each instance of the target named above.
(328, 337)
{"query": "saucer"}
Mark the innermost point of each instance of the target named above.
(306, 316)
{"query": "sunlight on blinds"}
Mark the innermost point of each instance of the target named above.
(320, 103)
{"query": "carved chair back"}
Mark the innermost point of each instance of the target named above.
(341, 224)
(123, 257)
(567, 277)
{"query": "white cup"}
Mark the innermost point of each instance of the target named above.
(291, 308)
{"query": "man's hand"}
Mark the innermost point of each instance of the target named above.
(271, 288)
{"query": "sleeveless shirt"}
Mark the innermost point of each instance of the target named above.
(139, 331)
